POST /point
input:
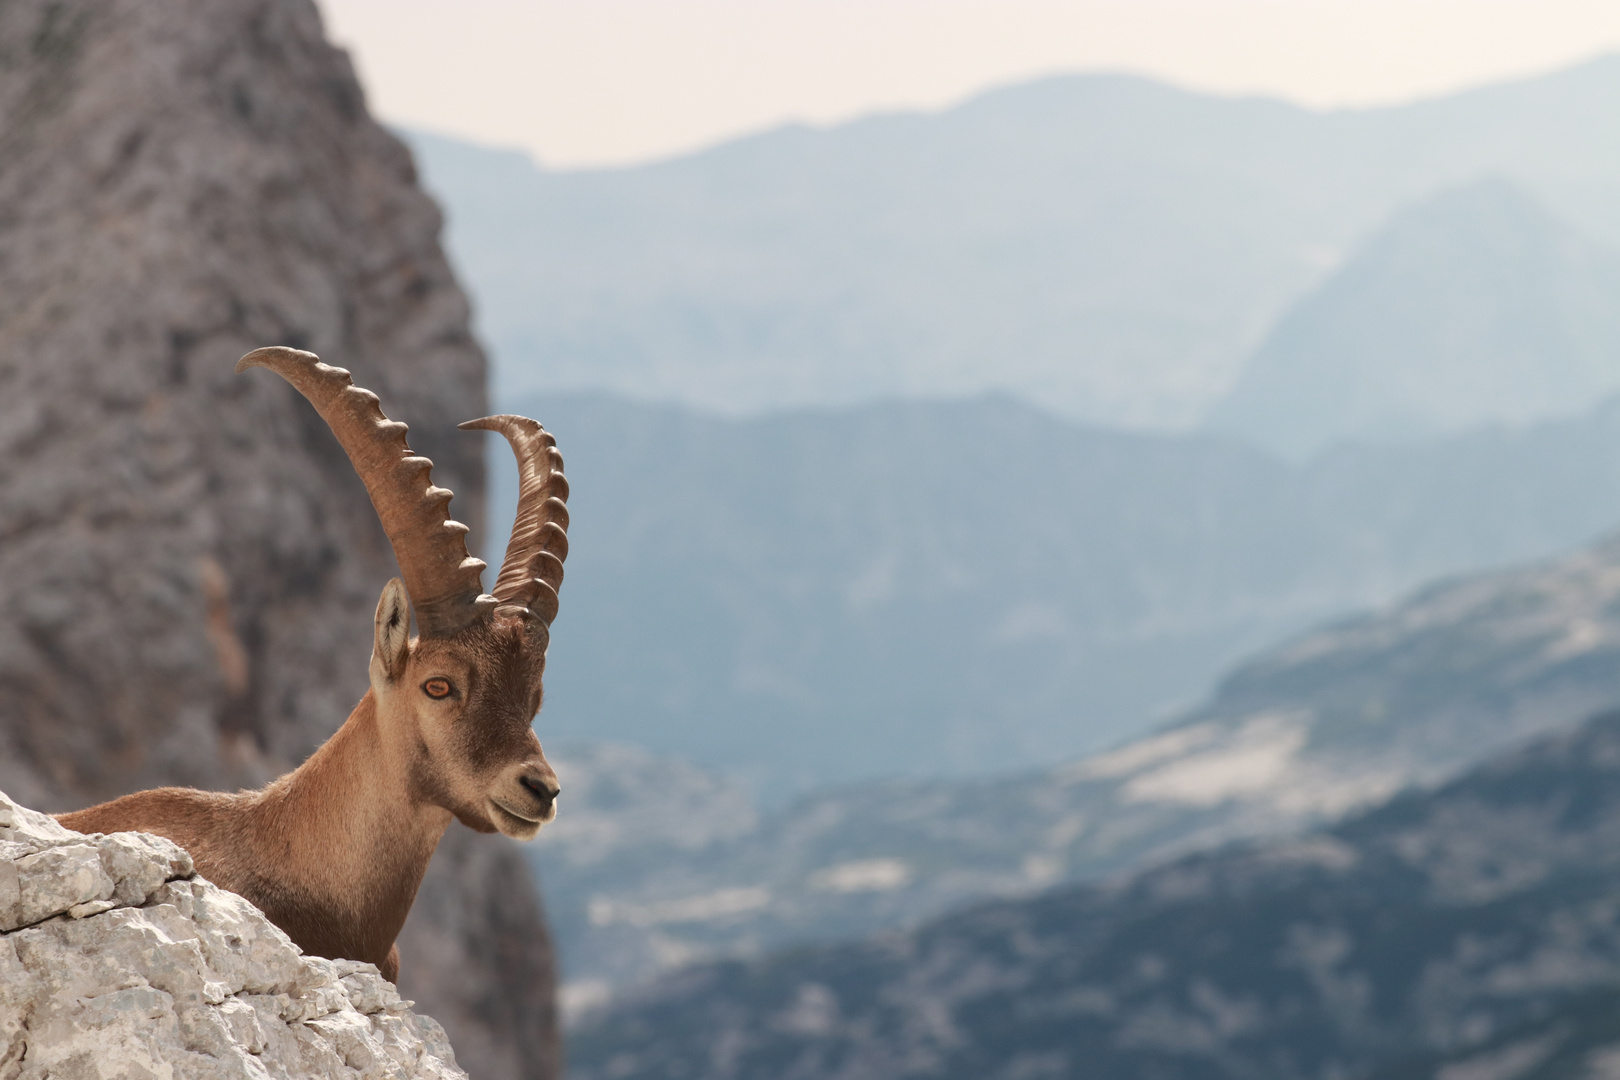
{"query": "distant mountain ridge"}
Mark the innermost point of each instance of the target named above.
(959, 588)
(1443, 925)
(657, 865)
(1106, 246)
(1475, 307)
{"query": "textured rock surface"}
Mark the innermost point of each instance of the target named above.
(181, 182)
(116, 962)
(188, 565)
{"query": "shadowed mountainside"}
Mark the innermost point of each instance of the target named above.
(1578, 1039)
(961, 588)
(189, 565)
(658, 865)
(1440, 925)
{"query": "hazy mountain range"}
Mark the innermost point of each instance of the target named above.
(950, 589)
(1475, 306)
(1445, 924)
(656, 863)
(822, 594)
(1107, 247)
(826, 594)
(845, 412)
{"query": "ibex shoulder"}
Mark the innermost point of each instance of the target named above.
(191, 818)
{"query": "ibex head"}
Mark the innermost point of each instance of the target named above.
(456, 702)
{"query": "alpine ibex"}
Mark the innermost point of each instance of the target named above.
(333, 852)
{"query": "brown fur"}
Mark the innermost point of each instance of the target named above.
(333, 852)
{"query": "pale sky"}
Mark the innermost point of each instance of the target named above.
(601, 82)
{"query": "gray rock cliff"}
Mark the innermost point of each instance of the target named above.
(116, 961)
(188, 565)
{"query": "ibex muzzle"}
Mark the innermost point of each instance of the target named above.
(334, 851)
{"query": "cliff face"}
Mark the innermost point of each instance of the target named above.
(188, 565)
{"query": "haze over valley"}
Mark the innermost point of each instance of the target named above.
(960, 442)
(662, 863)
(975, 503)
(957, 588)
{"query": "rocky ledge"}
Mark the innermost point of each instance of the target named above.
(117, 961)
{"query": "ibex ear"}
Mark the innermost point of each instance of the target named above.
(393, 639)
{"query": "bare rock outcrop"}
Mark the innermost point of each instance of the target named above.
(188, 565)
(115, 961)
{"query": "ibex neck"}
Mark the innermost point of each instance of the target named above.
(348, 833)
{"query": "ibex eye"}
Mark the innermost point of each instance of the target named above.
(436, 688)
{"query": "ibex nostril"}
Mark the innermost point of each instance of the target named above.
(541, 788)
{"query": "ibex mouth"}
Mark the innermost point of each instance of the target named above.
(520, 821)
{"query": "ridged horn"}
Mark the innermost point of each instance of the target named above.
(443, 580)
(532, 571)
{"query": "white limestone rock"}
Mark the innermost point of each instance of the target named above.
(117, 963)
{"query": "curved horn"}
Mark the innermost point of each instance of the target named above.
(532, 571)
(441, 578)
